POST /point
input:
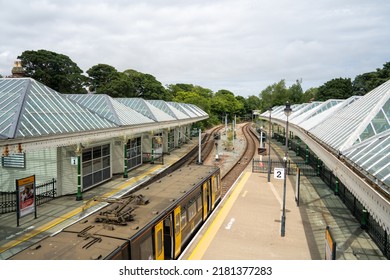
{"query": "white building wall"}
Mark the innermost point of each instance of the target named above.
(42, 163)
(67, 173)
(117, 157)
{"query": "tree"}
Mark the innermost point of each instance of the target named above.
(54, 70)
(295, 93)
(100, 76)
(224, 102)
(274, 95)
(340, 88)
(368, 81)
(120, 86)
(146, 86)
(309, 95)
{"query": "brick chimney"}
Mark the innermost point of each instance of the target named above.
(17, 70)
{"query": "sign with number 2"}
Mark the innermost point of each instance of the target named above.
(279, 173)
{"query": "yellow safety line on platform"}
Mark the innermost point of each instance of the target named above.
(70, 214)
(205, 241)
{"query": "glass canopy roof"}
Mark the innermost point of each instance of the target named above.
(28, 108)
(358, 127)
(169, 109)
(109, 108)
(146, 109)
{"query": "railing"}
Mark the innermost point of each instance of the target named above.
(259, 166)
(43, 193)
(155, 158)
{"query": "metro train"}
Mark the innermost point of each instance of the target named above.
(153, 223)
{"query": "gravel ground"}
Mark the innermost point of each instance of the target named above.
(227, 157)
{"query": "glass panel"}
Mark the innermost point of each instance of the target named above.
(191, 211)
(106, 150)
(177, 224)
(147, 249)
(87, 167)
(106, 162)
(367, 133)
(87, 155)
(97, 164)
(199, 203)
(183, 217)
(87, 181)
(386, 109)
(97, 152)
(380, 123)
(385, 171)
(106, 173)
(97, 177)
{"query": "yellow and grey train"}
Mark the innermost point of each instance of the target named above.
(153, 223)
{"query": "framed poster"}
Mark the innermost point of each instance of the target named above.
(25, 190)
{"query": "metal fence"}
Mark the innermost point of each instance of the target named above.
(155, 158)
(43, 193)
(260, 166)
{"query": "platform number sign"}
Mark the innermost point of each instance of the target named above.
(279, 173)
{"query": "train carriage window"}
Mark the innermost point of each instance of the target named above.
(146, 248)
(191, 211)
(177, 225)
(199, 203)
(183, 217)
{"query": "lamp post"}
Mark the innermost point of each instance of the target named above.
(269, 146)
(287, 112)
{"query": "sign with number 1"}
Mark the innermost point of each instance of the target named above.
(279, 173)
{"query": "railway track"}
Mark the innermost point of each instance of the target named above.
(208, 143)
(234, 172)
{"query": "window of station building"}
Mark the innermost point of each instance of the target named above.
(171, 140)
(96, 167)
(133, 153)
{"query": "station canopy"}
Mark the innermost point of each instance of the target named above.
(146, 108)
(30, 109)
(107, 107)
(357, 128)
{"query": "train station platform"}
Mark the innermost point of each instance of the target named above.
(63, 211)
(246, 225)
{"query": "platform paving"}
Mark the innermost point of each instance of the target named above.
(247, 223)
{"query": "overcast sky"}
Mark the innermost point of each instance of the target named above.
(242, 46)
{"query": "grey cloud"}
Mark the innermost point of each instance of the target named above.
(236, 45)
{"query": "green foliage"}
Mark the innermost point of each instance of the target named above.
(340, 88)
(119, 86)
(100, 76)
(54, 70)
(368, 81)
(146, 86)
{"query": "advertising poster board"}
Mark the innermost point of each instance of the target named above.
(25, 189)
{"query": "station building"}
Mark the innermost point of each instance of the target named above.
(80, 141)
